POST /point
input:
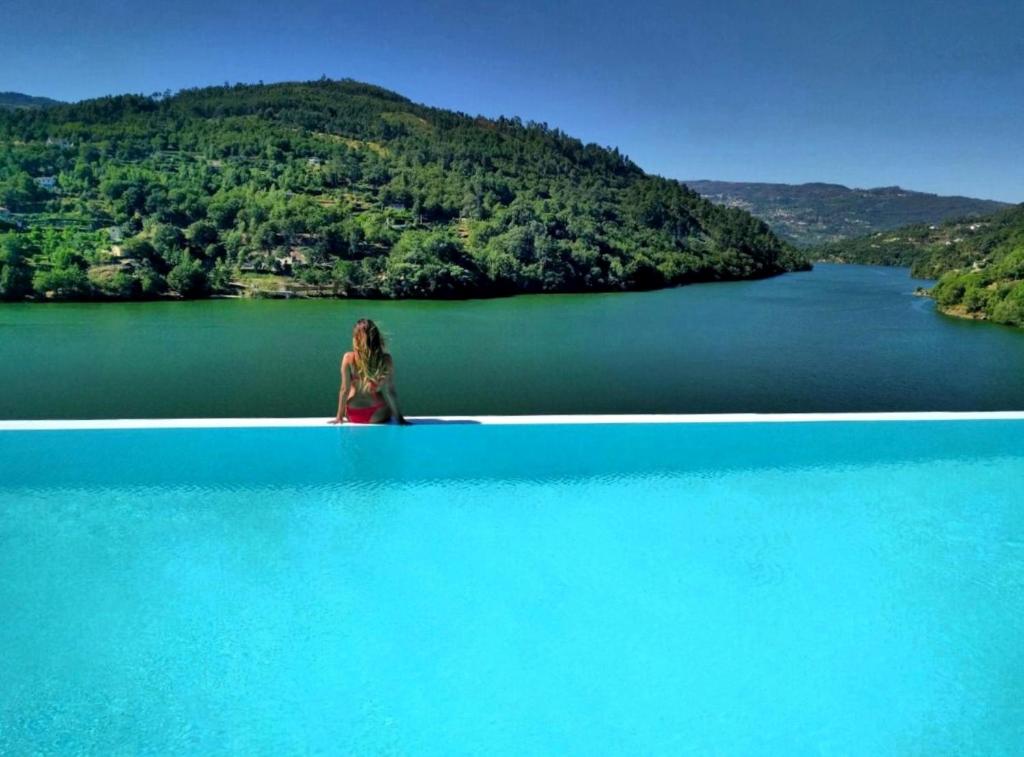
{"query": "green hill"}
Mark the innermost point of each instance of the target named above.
(341, 188)
(979, 262)
(11, 100)
(813, 214)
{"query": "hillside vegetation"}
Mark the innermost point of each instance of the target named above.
(813, 214)
(345, 189)
(979, 262)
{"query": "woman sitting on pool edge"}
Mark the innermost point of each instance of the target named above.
(367, 379)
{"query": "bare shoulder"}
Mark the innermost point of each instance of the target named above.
(347, 358)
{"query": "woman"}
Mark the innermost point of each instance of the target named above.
(367, 379)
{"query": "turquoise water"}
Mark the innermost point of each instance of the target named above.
(817, 588)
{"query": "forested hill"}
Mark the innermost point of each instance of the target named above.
(980, 262)
(813, 214)
(337, 187)
(19, 100)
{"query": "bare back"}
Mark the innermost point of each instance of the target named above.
(362, 394)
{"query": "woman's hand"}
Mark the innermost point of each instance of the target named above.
(339, 419)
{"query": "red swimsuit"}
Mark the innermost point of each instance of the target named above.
(364, 414)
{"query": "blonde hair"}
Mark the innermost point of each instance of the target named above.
(368, 346)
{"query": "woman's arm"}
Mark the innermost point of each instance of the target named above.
(391, 395)
(343, 392)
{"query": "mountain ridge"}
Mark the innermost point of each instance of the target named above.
(814, 213)
(12, 100)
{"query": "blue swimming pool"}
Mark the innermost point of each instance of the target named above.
(734, 588)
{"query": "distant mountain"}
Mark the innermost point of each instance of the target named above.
(813, 214)
(979, 262)
(12, 100)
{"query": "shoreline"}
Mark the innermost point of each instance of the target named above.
(959, 311)
(290, 295)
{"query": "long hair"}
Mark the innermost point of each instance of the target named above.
(368, 346)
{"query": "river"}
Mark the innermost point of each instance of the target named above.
(838, 338)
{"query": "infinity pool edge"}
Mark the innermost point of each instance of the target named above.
(498, 420)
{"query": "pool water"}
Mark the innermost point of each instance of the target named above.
(734, 588)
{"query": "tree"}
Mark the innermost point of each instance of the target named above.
(201, 235)
(141, 249)
(15, 275)
(151, 283)
(66, 283)
(1010, 309)
(169, 241)
(119, 285)
(220, 276)
(188, 280)
(19, 191)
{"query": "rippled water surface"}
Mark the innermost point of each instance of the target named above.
(739, 589)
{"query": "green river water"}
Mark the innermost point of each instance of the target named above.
(839, 338)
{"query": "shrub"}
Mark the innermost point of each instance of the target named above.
(188, 279)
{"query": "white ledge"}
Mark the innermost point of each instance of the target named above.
(504, 420)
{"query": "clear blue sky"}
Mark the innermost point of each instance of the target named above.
(927, 95)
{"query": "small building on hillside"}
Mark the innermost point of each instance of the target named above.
(48, 183)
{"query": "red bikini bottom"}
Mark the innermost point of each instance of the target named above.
(362, 414)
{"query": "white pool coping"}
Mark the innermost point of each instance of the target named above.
(505, 420)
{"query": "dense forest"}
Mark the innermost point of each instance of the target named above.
(337, 188)
(979, 262)
(813, 214)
